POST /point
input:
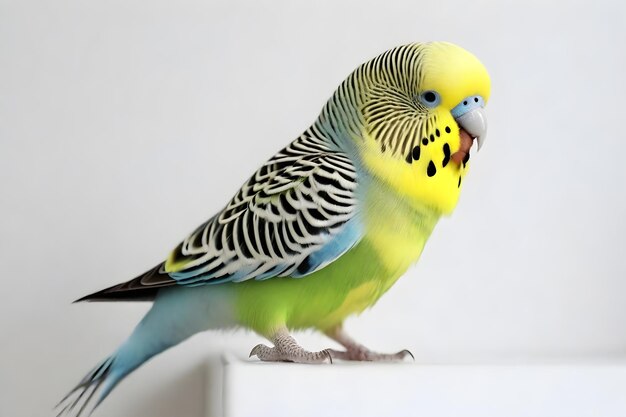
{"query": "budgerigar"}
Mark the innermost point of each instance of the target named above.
(324, 227)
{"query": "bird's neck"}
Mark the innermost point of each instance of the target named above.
(395, 226)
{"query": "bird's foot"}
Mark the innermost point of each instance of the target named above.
(273, 354)
(286, 349)
(363, 354)
(357, 352)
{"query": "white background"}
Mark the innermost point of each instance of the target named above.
(125, 124)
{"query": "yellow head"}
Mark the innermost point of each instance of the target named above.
(412, 112)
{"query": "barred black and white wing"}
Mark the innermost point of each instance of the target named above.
(279, 223)
(295, 215)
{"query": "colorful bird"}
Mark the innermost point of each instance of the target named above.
(324, 227)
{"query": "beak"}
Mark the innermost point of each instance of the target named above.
(474, 122)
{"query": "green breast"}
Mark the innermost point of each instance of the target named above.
(394, 237)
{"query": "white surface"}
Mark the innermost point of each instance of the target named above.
(408, 389)
(125, 124)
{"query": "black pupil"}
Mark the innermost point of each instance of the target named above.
(429, 96)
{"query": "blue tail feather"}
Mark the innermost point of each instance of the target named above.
(87, 387)
(173, 318)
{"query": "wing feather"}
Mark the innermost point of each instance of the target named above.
(295, 215)
(291, 207)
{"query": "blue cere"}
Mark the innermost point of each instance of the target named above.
(466, 105)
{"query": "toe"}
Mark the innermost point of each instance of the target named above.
(405, 353)
(257, 349)
(265, 353)
(337, 354)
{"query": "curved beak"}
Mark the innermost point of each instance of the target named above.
(474, 122)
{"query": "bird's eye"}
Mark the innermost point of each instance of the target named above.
(430, 98)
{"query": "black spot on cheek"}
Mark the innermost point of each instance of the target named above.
(446, 155)
(431, 171)
(437, 132)
(416, 153)
(432, 138)
(459, 184)
(447, 129)
(409, 159)
(467, 156)
(424, 141)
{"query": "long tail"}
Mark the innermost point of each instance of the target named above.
(81, 394)
(175, 316)
(140, 346)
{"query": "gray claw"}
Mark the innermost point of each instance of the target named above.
(407, 352)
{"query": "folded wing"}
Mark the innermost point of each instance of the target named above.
(295, 215)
